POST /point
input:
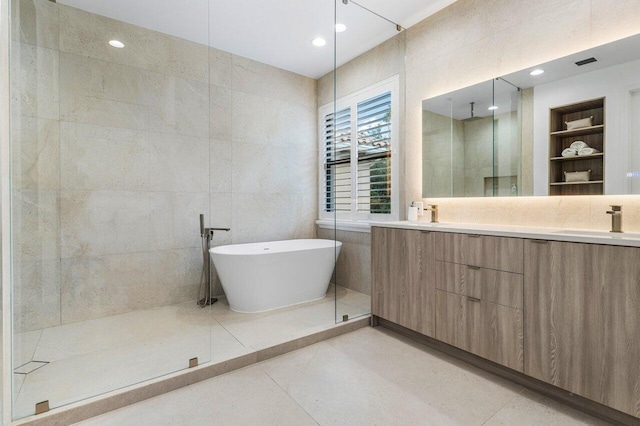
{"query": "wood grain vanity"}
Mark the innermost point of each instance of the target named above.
(565, 313)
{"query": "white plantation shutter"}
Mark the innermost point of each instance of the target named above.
(337, 161)
(374, 155)
(358, 166)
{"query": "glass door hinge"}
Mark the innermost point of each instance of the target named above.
(42, 407)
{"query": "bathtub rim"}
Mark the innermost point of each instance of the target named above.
(216, 250)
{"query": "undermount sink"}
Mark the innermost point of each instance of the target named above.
(585, 233)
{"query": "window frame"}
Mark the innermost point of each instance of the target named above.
(352, 100)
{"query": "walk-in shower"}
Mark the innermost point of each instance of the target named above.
(130, 119)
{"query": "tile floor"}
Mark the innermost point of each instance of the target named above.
(370, 376)
(93, 357)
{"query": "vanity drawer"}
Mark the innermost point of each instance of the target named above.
(489, 330)
(452, 248)
(500, 253)
(503, 288)
(459, 321)
(503, 254)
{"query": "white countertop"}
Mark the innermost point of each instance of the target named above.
(530, 232)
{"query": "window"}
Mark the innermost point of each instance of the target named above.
(358, 181)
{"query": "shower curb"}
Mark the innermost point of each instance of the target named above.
(111, 401)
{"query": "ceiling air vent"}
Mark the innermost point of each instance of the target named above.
(586, 61)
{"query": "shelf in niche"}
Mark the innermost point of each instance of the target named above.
(578, 157)
(591, 182)
(593, 136)
(579, 132)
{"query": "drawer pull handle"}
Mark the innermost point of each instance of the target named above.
(474, 235)
(426, 232)
(540, 241)
(473, 267)
(473, 299)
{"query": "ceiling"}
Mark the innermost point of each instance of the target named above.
(276, 32)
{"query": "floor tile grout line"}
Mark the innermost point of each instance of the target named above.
(214, 321)
(290, 397)
(503, 406)
(231, 334)
(17, 395)
(35, 350)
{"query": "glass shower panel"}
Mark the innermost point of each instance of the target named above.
(507, 164)
(110, 170)
(367, 108)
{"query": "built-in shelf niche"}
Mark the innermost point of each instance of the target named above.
(560, 139)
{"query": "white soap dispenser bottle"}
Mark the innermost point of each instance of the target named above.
(413, 212)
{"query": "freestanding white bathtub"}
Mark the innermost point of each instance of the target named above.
(259, 277)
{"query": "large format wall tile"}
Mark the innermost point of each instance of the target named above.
(614, 19)
(177, 276)
(179, 163)
(191, 277)
(34, 81)
(221, 211)
(36, 220)
(273, 169)
(379, 63)
(173, 276)
(87, 34)
(175, 219)
(36, 295)
(569, 23)
(281, 217)
(221, 113)
(182, 108)
(35, 22)
(474, 21)
(261, 120)
(122, 96)
(99, 92)
(220, 68)
(36, 159)
(94, 287)
(270, 82)
(97, 158)
(104, 222)
(353, 268)
(221, 165)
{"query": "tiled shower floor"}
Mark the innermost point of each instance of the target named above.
(89, 358)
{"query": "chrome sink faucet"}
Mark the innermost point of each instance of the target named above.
(433, 208)
(616, 218)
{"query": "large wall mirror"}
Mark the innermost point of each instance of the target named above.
(567, 127)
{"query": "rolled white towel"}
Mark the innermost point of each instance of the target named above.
(587, 151)
(578, 145)
(569, 152)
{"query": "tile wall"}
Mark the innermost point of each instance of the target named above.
(117, 151)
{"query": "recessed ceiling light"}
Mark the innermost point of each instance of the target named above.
(341, 28)
(537, 71)
(493, 108)
(116, 43)
(319, 42)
